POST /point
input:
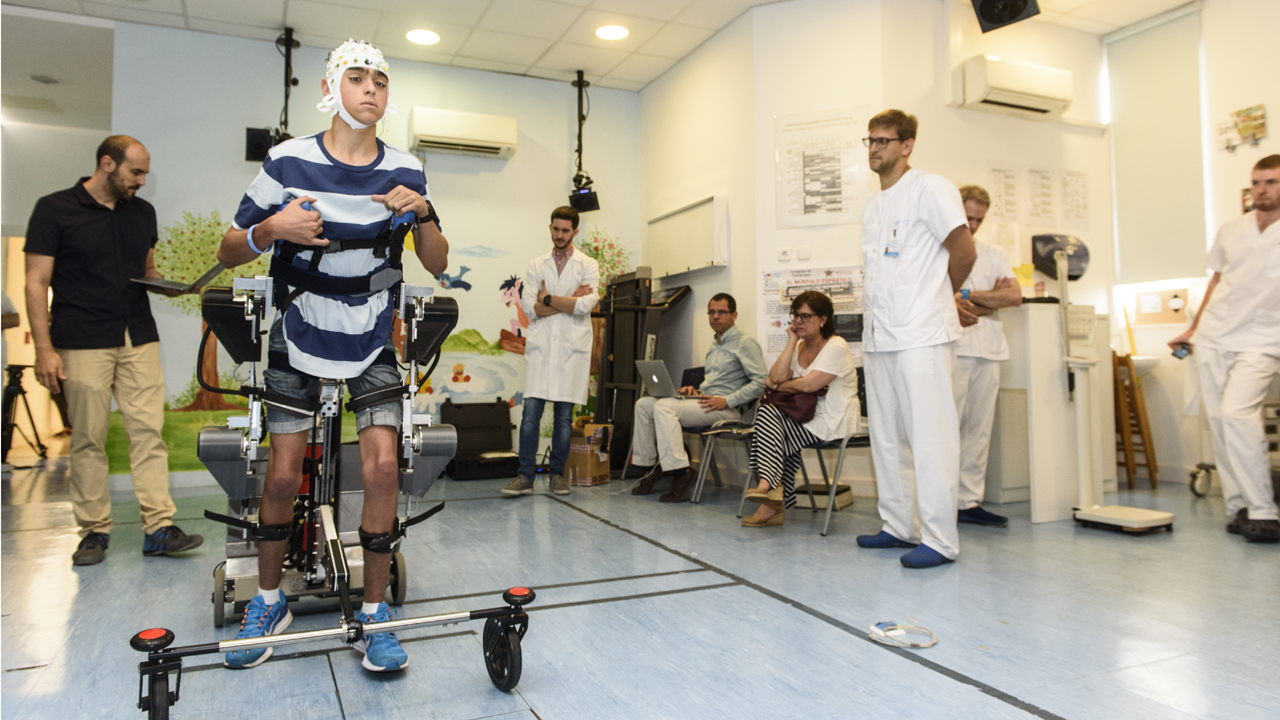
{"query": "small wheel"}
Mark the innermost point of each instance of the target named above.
(399, 580)
(219, 595)
(158, 697)
(502, 654)
(1200, 482)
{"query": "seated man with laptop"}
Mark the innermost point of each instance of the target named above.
(734, 376)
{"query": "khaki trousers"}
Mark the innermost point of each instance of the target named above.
(133, 375)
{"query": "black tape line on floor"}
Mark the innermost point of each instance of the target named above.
(325, 652)
(637, 596)
(904, 653)
(540, 588)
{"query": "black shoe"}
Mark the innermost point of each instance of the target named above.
(92, 549)
(648, 482)
(1237, 525)
(680, 487)
(1261, 531)
(977, 516)
(169, 539)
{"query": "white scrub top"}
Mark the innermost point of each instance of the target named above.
(1243, 314)
(558, 348)
(836, 414)
(986, 339)
(907, 292)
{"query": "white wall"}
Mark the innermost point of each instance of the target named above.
(39, 160)
(696, 139)
(200, 91)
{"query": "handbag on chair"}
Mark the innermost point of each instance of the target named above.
(797, 406)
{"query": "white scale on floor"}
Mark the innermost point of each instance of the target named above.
(1078, 325)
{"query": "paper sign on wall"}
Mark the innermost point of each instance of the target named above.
(820, 167)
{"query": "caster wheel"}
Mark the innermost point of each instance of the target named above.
(219, 595)
(158, 697)
(399, 580)
(1200, 482)
(502, 654)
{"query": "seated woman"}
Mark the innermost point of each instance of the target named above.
(813, 359)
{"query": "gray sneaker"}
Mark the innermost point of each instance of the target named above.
(520, 486)
(560, 485)
(92, 549)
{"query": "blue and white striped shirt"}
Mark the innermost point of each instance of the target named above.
(334, 336)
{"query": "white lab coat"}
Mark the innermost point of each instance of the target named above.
(558, 348)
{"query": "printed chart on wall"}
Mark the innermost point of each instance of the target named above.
(777, 289)
(820, 167)
(1038, 199)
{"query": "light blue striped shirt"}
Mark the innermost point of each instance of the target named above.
(734, 368)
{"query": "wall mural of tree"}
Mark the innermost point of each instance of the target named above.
(187, 249)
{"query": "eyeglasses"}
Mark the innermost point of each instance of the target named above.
(803, 317)
(719, 313)
(880, 143)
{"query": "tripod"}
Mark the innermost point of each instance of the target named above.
(13, 391)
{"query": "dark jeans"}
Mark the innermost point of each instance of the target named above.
(530, 431)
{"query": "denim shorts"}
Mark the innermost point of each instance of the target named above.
(304, 387)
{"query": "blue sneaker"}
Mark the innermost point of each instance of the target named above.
(924, 557)
(259, 619)
(882, 540)
(382, 651)
(978, 516)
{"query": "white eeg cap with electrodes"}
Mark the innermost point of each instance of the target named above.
(352, 53)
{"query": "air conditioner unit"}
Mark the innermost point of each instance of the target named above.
(463, 133)
(1015, 88)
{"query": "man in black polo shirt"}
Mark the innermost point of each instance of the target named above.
(87, 242)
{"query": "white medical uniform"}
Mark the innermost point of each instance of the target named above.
(911, 325)
(558, 348)
(1238, 346)
(975, 378)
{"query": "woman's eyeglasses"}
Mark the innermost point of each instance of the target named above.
(802, 316)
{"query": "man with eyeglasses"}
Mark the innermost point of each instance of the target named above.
(734, 376)
(917, 252)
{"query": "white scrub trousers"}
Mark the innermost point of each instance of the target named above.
(976, 384)
(1234, 386)
(915, 444)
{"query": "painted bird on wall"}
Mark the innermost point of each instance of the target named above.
(455, 282)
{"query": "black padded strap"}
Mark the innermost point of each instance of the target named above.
(377, 396)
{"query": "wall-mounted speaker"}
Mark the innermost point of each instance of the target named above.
(993, 14)
(257, 143)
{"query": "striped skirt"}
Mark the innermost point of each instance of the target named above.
(776, 449)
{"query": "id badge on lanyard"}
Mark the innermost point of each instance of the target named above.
(891, 249)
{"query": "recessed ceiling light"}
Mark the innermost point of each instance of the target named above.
(46, 79)
(612, 32)
(422, 37)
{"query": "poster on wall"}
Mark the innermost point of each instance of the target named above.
(1075, 200)
(1003, 189)
(777, 289)
(820, 167)
(1041, 208)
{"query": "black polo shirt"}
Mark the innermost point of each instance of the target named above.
(95, 251)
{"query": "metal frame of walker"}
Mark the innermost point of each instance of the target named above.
(323, 559)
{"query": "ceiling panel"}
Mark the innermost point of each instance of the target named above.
(583, 31)
(83, 67)
(457, 12)
(257, 13)
(235, 30)
(504, 47)
(675, 41)
(568, 58)
(478, 64)
(392, 29)
(655, 9)
(129, 14)
(530, 17)
(320, 19)
(714, 14)
(640, 68)
(1103, 16)
(1089, 26)
(173, 7)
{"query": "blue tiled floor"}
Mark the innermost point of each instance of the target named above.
(647, 610)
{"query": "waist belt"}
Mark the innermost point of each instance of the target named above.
(293, 280)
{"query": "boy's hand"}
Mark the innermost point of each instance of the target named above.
(295, 224)
(401, 200)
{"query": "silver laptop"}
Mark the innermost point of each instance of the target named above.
(657, 383)
(180, 286)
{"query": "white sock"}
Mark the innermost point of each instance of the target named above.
(369, 608)
(270, 596)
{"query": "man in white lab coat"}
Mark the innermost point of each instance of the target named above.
(563, 290)
(917, 251)
(975, 375)
(1237, 340)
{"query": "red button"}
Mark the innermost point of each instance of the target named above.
(519, 591)
(152, 634)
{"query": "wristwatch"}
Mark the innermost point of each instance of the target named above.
(547, 300)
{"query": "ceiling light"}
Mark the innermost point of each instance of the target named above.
(612, 32)
(422, 37)
(46, 79)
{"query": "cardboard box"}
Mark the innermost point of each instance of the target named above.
(588, 462)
